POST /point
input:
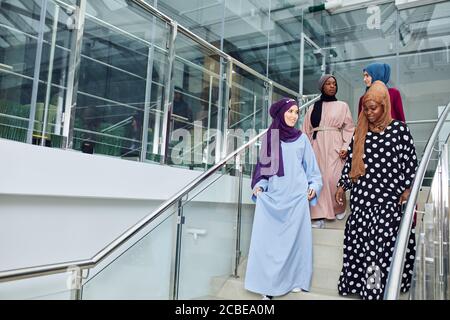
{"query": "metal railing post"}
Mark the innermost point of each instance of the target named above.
(37, 70)
(175, 268)
(208, 132)
(239, 167)
(445, 225)
(168, 93)
(75, 282)
(443, 210)
(226, 106)
(269, 102)
(148, 96)
(72, 79)
(50, 74)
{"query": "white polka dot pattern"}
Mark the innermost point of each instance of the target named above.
(371, 230)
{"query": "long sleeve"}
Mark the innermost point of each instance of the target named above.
(263, 184)
(348, 128)
(344, 181)
(408, 156)
(307, 127)
(396, 105)
(312, 171)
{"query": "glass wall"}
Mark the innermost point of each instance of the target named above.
(266, 35)
(197, 114)
(116, 57)
(414, 42)
(114, 79)
(121, 74)
(35, 45)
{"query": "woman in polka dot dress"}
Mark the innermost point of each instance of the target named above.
(379, 172)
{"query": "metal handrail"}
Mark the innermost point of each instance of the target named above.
(30, 272)
(395, 274)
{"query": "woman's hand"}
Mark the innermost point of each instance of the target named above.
(256, 191)
(311, 194)
(340, 193)
(343, 154)
(404, 197)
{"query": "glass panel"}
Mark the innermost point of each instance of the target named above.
(247, 101)
(278, 93)
(425, 28)
(424, 60)
(424, 64)
(54, 70)
(141, 271)
(425, 281)
(208, 243)
(14, 106)
(155, 101)
(203, 17)
(114, 76)
(19, 24)
(421, 132)
(207, 247)
(246, 28)
(63, 295)
(247, 113)
(47, 287)
(284, 44)
(197, 114)
(312, 67)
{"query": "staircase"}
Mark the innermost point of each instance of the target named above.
(327, 262)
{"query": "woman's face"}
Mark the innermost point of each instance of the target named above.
(291, 116)
(367, 79)
(329, 87)
(373, 111)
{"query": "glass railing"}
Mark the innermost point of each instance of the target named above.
(183, 262)
(431, 270)
(424, 128)
(426, 212)
(142, 271)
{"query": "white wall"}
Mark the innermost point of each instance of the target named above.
(32, 170)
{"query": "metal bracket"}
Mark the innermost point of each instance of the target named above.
(181, 220)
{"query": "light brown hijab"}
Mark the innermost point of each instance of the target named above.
(378, 93)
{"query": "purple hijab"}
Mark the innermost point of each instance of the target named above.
(270, 161)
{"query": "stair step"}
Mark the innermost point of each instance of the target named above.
(337, 224)
(329, 237)
(233, 289)
(324, 257)
(325, 279)
(329, 257)
(327, 250)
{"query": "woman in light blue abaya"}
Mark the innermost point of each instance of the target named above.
(285, 182)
